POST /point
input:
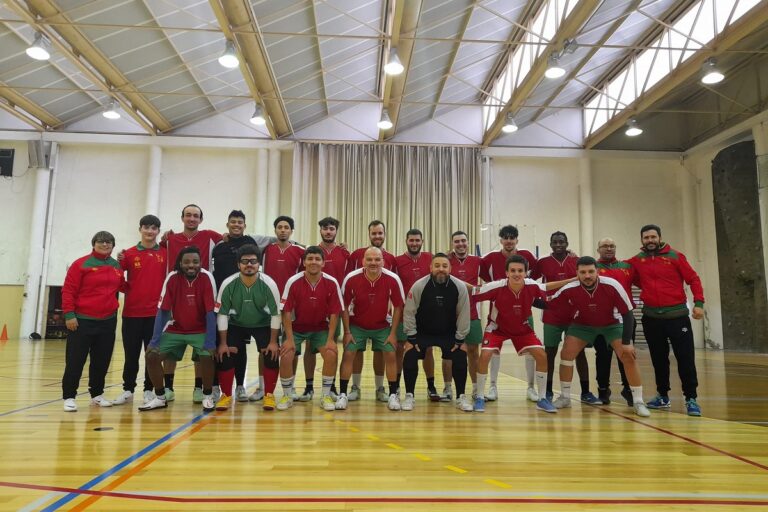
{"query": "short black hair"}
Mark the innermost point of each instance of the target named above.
(457, 233)
(649, 227)
(313, 249)
(192, 205)
(440, 255)
(103, 235)
(509, 230)
(149, 220)
(190, 249)
(558, 233)
(328, 221)
(586, 261)
(285, 218)
(237, 214)
(516, 258)
(247, 249)
(414, 231)
(376, 222)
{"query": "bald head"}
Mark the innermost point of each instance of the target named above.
(606, 248)
(373, 261)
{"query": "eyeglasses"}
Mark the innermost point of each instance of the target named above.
(102, 241)
(249, 261)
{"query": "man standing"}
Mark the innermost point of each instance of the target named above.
(145, 268)
(368, 293)
(660, 273)
(596, 301)
(560, 266)
(609, 266)
(511, 302)
(224, 263)
(412, 265)
(494, 268)
(247, 306)
(466, 267)
(335, 263)
(185, 317)
(377, 233)
(311, 306)
(282, 260)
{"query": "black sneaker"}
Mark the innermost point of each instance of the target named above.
(627, 394)
(433, 395)
(604, 394)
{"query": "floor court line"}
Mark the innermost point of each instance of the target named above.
(531, 498)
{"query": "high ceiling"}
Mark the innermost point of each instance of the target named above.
(316, 67)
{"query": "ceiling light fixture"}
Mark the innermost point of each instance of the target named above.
(710, 73)
(110, 112)
(258, 116)
(633, 130)
(554, 69)
(393, 67)
(229, 58)
(385, 123)
(40, 49)
(510, 126)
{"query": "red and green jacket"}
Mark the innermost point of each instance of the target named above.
(661, 277)
(91, 286)
(621, 271)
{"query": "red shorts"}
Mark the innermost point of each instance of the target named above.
(493, 341)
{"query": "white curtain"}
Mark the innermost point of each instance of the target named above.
(434, 188)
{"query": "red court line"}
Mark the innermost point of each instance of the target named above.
(351, 499)
(688, 439)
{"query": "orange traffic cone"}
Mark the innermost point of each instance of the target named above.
(4, 334)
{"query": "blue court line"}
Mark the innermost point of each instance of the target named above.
(114, 469)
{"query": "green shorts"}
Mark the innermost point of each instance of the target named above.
(475, 336)
(401, 336)
(378, 339)
(590, 334)
(316, 340)
(530, 321)
(173, 345)
(553, 334)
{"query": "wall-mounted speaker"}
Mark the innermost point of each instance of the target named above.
(6, 162)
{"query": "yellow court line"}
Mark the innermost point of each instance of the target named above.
(373, 437)
(456, 469)
(422, 457)
(395, 446)
(354, 429)
(497, 483)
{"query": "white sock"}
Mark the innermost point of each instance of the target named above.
(481, 384)
(357, 378)
(379, 381)
(448, 388)
(287, 385)
(637, 394)
(474, 388)
(530, 368)
(261, 382)
(495, 366)
(565, 390)
(327, 382)
(541, 383)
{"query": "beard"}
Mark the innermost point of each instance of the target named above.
(440, 278)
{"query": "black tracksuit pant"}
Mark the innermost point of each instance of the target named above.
(94, 338)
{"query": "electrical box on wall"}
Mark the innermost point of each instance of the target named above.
(6, 162)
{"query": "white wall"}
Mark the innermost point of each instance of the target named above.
(16, 195)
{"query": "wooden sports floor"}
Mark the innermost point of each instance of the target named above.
(435, 458)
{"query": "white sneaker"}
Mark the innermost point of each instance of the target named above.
(240, 394)
(148, 396)
(447, 395)
(285, 403)
(216, 393)
(101, 401)
(294, 394)
(70, 405)
(532, 395)
(408, 402)
(328, 403)
(641, 410)
(493, 393)
(381, 395)
(257, 396)
(209, 404)
(157, 402)
(125, 396)
(394, 402)
(562, 402)
(465, 403)
(341, 402)
(354, 394)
